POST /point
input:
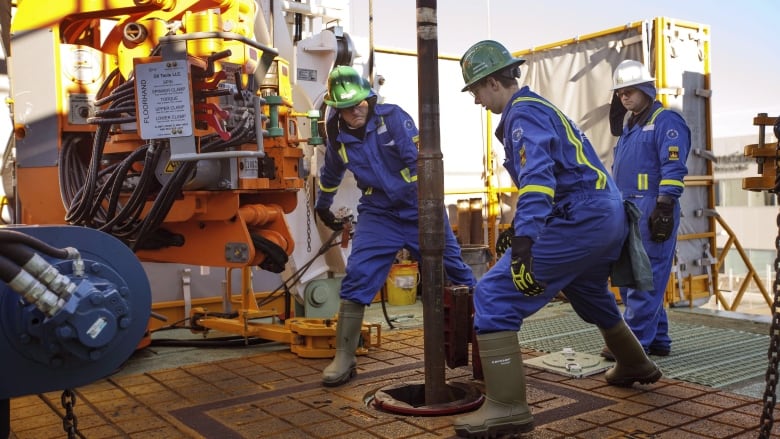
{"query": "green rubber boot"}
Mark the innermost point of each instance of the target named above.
(348, 333)
(505, 410)
(631, 361)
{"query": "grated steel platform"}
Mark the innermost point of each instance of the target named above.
(709, 355)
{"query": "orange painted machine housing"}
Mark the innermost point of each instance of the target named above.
(230, 217)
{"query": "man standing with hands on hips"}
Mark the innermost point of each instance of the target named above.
(649, 169)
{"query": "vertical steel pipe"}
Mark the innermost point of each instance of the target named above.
(430, 181)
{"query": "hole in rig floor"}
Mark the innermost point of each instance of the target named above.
(409, 399)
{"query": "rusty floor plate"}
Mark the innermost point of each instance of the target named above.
(268, 392)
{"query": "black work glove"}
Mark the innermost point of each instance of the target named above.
(504, 241)
(522, 267)
(327, 218)
(662, 220)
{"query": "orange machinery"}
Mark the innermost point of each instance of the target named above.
(167, 125)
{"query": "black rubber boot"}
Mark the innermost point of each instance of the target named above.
(505, 410)
(631, 362)
(348, 333)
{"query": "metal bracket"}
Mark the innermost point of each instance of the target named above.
(708, 261)
(570, 363)
(766, 157)
(678, 268)
(236, 252)
(186, 282)
(703, 153)
(674, 91)
(705, 212)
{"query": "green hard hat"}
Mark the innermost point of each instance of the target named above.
(346, 88)
(483, 59)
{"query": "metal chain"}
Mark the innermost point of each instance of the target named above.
(308, 215)
(69, 421)
(770, 393)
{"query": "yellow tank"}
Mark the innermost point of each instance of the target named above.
(402, 284)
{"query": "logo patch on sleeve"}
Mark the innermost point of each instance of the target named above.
(674, 153)
(517, 134)
(672, 134)
(408, 124)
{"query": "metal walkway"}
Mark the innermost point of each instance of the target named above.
(708, 355)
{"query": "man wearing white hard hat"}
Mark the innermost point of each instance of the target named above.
(649, 168)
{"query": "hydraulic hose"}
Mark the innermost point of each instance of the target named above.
(77, 211)
(12, 236)
(8, 269)
(30, 288)
(41, 269)
(130, 213)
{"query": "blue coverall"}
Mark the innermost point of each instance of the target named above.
(650, 161)
(571, 208)
(385, 167)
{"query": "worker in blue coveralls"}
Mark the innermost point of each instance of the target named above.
(378, 143)
(649, 169)
(570, 225)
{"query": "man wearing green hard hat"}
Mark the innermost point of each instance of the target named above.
(569, 228)
(378, 144)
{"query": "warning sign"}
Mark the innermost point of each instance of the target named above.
(163, 103)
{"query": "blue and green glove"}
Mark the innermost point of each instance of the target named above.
(522, 267)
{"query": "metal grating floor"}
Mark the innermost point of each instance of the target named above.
(705, 355)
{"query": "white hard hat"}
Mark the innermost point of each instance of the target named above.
(630, 72)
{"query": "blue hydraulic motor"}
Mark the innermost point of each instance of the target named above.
(74, 305)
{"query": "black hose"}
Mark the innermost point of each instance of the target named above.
(8, 236)
(76, 211)
(71, 169)
(162, 204)
(82, 208)
(112, 121)
(104, 86)
(222, 342)
(383, 295)
(8, 270)
(116, 95)
(113, 111)
(18, 253)
(121, 90)
(97, 211)
(127, 221)
(114, 184)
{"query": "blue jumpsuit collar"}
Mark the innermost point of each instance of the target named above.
(524, 91)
